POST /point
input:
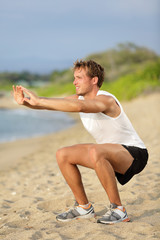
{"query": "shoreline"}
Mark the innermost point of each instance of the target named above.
(7, 102)
(33, 191)
(20, 124)
(11, 152)
(20, 148)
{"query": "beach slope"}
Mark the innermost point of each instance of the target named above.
(33, 191)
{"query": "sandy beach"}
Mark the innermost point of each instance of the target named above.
(33, 191)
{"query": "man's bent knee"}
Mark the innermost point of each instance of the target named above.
(61, 155)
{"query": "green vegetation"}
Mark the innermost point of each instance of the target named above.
(132, 85)
(125, 88)
(124, 59)
(130, 70)
(56, 89)
(62, 77)
(25, 78)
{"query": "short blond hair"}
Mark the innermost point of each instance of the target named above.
(92, 68)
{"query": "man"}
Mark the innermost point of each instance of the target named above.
(119, 151)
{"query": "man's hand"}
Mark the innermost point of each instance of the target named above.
(18, 95)
(32, 98)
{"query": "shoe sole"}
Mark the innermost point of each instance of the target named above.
(87, 216)
(113, 222)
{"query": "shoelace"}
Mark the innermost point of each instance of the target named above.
(109, 211)
(71, 209)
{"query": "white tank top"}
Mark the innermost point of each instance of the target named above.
(106, 129)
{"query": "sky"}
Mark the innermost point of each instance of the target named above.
(43, 35)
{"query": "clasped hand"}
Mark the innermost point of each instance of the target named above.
(18, 93)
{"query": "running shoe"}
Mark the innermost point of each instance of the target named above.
(75, 213)
(114, 215)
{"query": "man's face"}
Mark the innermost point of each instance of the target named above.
(82, 82)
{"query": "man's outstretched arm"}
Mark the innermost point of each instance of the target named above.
(69, 104)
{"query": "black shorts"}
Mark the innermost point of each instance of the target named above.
(140, 156)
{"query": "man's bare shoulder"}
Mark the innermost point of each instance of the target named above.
(105, 98)
(112, 107)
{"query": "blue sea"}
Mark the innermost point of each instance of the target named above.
(20, 123)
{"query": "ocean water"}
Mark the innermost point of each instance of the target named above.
(20, 123)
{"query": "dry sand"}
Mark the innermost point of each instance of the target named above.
(33, 191)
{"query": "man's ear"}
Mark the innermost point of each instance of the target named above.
(95, 80)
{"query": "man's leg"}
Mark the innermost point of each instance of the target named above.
(108, 158)
(68, 158)
(104, 158)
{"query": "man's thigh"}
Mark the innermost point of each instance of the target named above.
(78, 154)
(116, 154)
